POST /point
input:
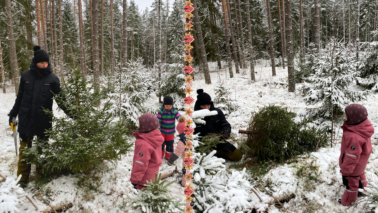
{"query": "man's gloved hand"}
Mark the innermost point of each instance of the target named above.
(11, 118)
(135, 185)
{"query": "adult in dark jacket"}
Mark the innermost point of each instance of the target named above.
(216, 124)
(37, 88)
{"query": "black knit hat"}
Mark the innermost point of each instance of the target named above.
(203, 98)
(40, 55)
(168, 100)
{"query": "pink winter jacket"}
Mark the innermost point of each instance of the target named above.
(147, 157)
(355, 148)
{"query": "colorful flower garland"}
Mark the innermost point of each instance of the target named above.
(189, 100)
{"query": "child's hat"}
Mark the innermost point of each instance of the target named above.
(203, 98)
(356, 113)
(147, 123)
(168, 100)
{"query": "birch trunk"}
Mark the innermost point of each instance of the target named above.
(227, 38)
(12, 47)
(234, 44)
(270, 38)
(290, 46)
(201, 43)
(252, 66)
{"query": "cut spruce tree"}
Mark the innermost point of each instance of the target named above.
(84, 142)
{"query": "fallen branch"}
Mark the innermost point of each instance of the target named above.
(247, 132)
(276, 83)
(226, 170)
(32, 202)
(52, 208)
(316, 149)
(60, 208)
(257, 195)
(164, 176)
(280, 203)
(280, 199)
(3, 177)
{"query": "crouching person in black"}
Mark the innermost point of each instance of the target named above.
(37, 88)
(216, 124)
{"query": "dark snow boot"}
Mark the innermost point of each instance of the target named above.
(360, 194)
(23, 184)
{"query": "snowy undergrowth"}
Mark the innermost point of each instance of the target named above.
(10, 193)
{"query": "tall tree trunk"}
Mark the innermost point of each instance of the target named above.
(159, 65)
(271, 51)
(301, 31)
(131, 42)
(95, 46)
(241, 36)
(375, 16)
(2, 69)
(43, 25)
(227, 38)
(102, 39)
(111, 38)
(124, 35)
(198, 52)
(282, 35)
(29, 26)
(52, 54)
(48, 25)
(344, 23)
(61, 38)
(12, 47)
(252, 66)
(56, 60)
(37, 8)
(215, 38)
(201, 43)
(317, 26)
(82, 41)
(240, 61)
(290, 46)
(284, 27)
(234, 45)
(358, 31)
(349, 33)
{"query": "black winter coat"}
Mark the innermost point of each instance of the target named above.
(216, 124)
(35, 93)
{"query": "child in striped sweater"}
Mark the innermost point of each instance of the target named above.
(166, 116)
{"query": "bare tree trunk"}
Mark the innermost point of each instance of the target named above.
(252, 66)
(47, 21)
(131, 42)
(238, 36)
(82, 42)
(95, 46)
(227, 39)
(29, 26)
(2, 69)
(375, 16)
(43, 25)
(234, 44)
(270, 38)
(301, 31)
(124, 35)
(290, 46)
(12, 47)
(358, 31)
(198, 52)
(349, 39)
(56, 60)
(102, 39)
(37, 8)
(52, 54)
(284, 27)
(201, 43)
(241, 36)
(282, 34)
(61, 38)
(317, 26)
(111, 38)
(159, 65)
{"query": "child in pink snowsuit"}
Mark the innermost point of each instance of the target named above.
(147, 152)
(180, 148)
(355, 151)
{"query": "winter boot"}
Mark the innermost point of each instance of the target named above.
(168, 153)
(23, 184)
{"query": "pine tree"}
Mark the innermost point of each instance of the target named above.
(222, 99)
(84, 142)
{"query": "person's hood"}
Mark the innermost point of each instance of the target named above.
(154, 137)
(197, 107)
(364, 129)
(38, 72)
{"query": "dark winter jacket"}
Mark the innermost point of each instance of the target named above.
(216, 124)
(35, 93)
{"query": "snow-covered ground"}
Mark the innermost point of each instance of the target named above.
(114, 191)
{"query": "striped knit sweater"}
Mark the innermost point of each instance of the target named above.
(167, 120)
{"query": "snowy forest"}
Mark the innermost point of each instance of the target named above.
(282, 81)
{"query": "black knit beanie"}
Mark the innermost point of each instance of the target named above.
(40, 55)
(203, 98)
(168, 100)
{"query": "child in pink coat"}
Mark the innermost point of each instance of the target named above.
(355, 151)
(180, 148)
(147, 152)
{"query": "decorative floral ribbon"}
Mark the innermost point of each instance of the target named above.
(189, 100)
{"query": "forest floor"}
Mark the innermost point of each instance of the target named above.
(314, 178)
